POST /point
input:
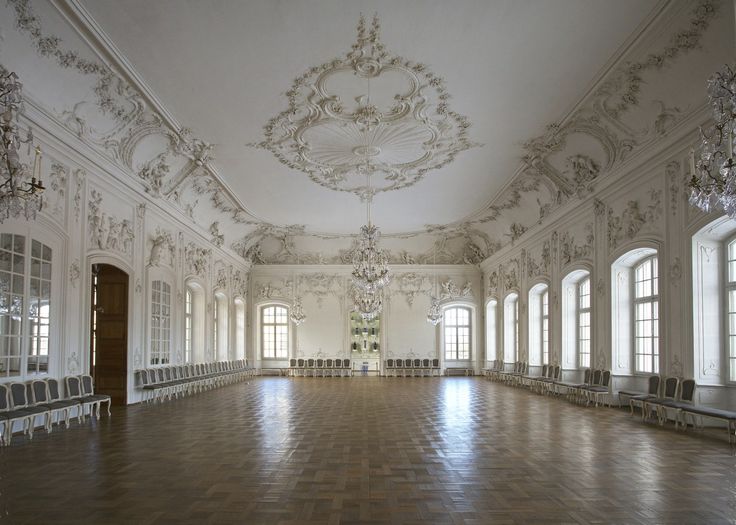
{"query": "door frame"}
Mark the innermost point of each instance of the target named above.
(123, 266)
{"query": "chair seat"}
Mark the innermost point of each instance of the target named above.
(96, 397)
(597, 389)
(711, 412)
(632, 393)
(641, 397)
(61, 403)
(15, 414)
(34, 409)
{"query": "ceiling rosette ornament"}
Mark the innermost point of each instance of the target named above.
(369, 112)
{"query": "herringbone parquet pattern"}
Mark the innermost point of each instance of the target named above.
(367, 450)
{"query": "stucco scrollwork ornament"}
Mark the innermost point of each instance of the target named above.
(79, 177)
(676, 367)
(599, 207)
(72, 364)
(218, 239)
(411, 285)
(197, 259)
(633, 219)
(138, 286)
(320, 285)
(153, 172)
(570, 251)
(511, 279)
(584, 171)
(516, 230)
(284, 290)
(74, 272)
(675, 271)
(493, 283)
(163, 249)
(673, 175)
(451, 291)
(221, 279)
(107, 232)
(59, 175)
(335, 130)
(240, 283)
(601, 287)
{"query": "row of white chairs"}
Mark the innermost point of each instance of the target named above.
(320, 367)
(412, 367)
(167, 382)
(25, 402)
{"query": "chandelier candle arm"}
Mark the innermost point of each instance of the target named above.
(713, 182)
(18, 196)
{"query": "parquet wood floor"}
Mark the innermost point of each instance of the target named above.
(367, 450)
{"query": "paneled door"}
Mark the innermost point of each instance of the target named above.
(109, 337)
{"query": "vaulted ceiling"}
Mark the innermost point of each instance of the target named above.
(510, 66)
(548, 99)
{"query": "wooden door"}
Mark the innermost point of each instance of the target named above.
(109, 324)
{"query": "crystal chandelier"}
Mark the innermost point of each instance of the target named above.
(297, 315)
(370, 265)
(713, 182)
(18, 196)
(368, 304)
(434, 313)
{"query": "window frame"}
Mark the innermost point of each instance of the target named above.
(25, 337)
(456, 328)
(511, 327)
(648, 299)
(729, 351)
(579, 312)
(165, 358)
(262, 331)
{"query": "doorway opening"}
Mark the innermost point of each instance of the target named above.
(109, 332)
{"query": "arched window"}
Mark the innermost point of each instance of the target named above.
(188, 324)
(646, 316)
(539, 324)
(160, 322)
(731, 305)
(635, 312)
(221, 327)
(491, 333)
(275, 332)
(511, 327)
(457, 333)
(239, 329)
(194, 317)
(25, 279)
(576, 320)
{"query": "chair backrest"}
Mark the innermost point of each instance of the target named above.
(53, 386)
(310, 362)
(320, 363)
(167, 373)
(142, 377)
(300, 362)
(346, 363)
(557, 373)
(389, 363)
(399, 363)
(586, 376)
(687, 390)
(18, 395)
(407, 363)
(597, 377)
(551, 372)
(175, 372)
(292, 362)
(160, 375)
(88, 386)
(4, 398)
(670, 387)
(417, 363)
(425, 363)
(328, 363)
(73, 387)
(435, 363)
(606, 379)
(653, 385)
(544, 370)
(40, 391)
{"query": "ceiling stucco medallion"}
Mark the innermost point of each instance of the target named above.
(369, 112)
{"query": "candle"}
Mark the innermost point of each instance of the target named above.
(692, 161)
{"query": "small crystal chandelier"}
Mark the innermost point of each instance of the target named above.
(713, 182)
(18, 196)
(367, 304)
(297, 315)
(434, 313)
